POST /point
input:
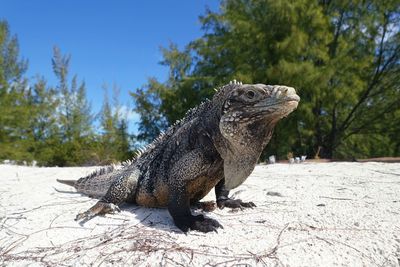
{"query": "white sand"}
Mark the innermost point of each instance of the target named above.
(328, 214)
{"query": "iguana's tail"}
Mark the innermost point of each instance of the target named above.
(95, 184)
(67, 182)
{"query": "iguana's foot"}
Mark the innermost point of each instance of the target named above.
(234, 203)
(199, 223)
(97, 209)
(206, 225)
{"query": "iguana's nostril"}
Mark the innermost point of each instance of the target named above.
(288, 91)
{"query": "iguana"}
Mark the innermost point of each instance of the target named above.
(216, 145)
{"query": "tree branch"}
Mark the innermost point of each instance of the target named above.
(347, 122)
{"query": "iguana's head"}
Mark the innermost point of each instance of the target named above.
(249, 112)
(248, 104)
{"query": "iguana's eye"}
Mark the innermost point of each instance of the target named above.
(250, 94)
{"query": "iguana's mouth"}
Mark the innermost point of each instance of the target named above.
(292, 98)
(282, 105)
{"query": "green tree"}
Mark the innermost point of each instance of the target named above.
(44, 122)
(358, 107)
(124, 141)
(74, 114)
(14, 108)
(53, 125)
(148, 105)
(115, 141)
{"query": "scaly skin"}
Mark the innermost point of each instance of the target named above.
(216, 145)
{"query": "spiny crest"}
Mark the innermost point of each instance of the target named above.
(101, 171)
(223, 89)
(128, 162)
(139, 152)
(157, 142)
(235, 82)
(109, 169)
(229, 85)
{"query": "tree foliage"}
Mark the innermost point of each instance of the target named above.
(341, 56)
(115, 141)
(14, 134)
(76, 135)
(53, 125)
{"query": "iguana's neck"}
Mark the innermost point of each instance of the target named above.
(241, 148)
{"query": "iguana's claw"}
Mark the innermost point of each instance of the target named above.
(199, 223)
(206, 225)
(97, 209)
(234, 204)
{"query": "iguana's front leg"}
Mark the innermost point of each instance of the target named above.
(224, 201)
(186, 169)
(179, 208)
(121, 190)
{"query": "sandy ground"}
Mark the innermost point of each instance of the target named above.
(309, 214)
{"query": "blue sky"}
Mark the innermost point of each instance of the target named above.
(109, 41)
